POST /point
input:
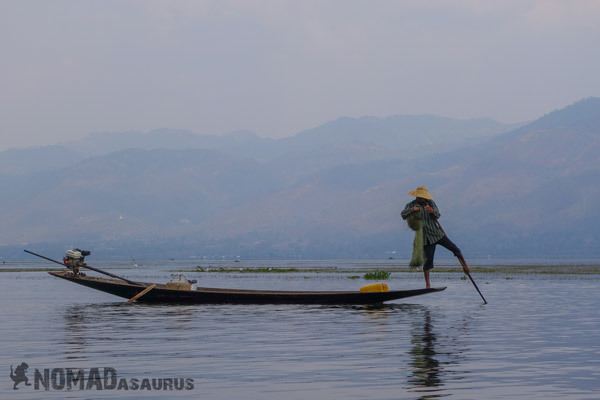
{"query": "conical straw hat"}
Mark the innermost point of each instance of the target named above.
(422, 192)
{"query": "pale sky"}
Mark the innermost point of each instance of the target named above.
(69, 68)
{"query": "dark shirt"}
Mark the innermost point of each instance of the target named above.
(432, 230)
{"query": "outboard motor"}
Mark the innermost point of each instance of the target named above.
(75, 259)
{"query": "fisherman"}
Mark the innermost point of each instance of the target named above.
(432, 230)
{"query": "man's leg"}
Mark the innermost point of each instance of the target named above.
(429, 251)
(449, 244)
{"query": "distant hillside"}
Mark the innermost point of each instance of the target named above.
(352, 140)
(413, 132)
(333, 191)
(541, 182)
(245, 143)
(22, 162)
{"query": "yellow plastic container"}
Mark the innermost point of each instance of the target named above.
(375, 287)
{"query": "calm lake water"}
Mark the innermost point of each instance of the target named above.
(538, 338)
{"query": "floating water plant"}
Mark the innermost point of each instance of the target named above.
(255, 270)
(377, 275)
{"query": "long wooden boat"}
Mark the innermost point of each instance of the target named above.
(160, 293)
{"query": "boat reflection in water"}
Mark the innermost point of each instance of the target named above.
(93, 329)
(398, 349)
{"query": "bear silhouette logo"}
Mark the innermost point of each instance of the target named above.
(19, 375)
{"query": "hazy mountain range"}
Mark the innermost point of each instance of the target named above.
(336, 190)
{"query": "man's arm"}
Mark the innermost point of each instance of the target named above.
(409, 209)
(432, 209)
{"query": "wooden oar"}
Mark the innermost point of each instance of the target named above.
(464, 264)
(85, 266)
(142, 293)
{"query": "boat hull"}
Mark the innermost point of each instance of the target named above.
(162, 294)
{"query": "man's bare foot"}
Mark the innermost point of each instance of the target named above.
(465, 267)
